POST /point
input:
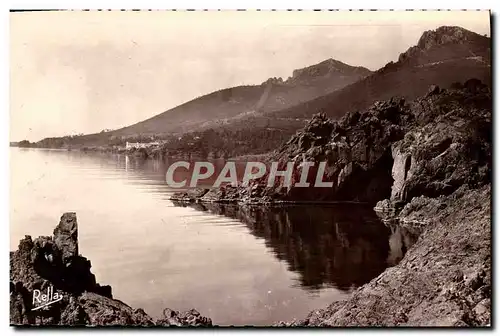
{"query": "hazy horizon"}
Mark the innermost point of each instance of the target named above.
(80, 72)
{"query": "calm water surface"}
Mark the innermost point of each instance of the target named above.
(241, 266)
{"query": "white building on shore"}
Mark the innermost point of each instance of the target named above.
(131, 145)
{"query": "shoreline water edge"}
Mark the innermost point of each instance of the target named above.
(425, 165)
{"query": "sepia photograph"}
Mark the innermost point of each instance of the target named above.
(250, 168)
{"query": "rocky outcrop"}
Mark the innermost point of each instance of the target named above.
(327, 68)
(448, 147)
(395, 150)
(428, 164)
(441, 190)
(191, 195)
(51, 265)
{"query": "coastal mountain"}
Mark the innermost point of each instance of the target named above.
(257, 119)
(442, 57)
(222, 107)
(274, 94)
(445, 56)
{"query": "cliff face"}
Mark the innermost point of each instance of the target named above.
(441, 187)
(449, 146)
(394, 150)
(51, 265)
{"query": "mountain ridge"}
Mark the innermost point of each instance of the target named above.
(442, 56)
(272, 94)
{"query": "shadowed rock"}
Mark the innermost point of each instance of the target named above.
(53, 264)
(66, 236)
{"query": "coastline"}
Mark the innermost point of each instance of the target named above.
(425, 165)
(53, 264)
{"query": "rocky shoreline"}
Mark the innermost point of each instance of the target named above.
(54, 265)
(426, 165)
(384, 156)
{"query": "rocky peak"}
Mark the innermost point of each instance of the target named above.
(66, 236)
(441, 36)
(325, 68)
(273, 81)
(444, 35)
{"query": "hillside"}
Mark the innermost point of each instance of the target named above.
(227, 105)
(256, 119)
(219, 107)
(393, 150)
(443, 57)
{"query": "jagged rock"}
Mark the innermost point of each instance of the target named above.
(224, 194)
(434, 89)
(394, 150)
(448, 147)
(400, 172)
(440, 36)
(190, 318)
(66, 236)
(190, 195)
(444, 35)
(53, 263)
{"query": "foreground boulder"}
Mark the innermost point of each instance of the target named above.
(52, 266)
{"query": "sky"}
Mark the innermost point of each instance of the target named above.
(81, 72)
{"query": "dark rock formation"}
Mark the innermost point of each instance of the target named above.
(441, 189)
(449, 145)
(428, 164)
(53, 265)
(190, 195)
(394, 150)
(190, 318)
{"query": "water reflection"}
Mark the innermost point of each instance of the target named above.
(242, 266)
(343, 246)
